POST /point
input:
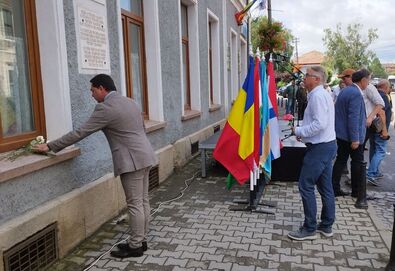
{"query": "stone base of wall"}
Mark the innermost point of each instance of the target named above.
(82, 211)
(78, 213)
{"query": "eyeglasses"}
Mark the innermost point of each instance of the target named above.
(311, 75)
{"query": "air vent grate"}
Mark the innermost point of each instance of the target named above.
(194, 147)
(154, 177)
(216, 128)
(35, 253)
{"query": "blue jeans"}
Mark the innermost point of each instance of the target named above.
(317, 170)
(377, 153)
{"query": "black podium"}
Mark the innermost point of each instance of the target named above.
(288, 166)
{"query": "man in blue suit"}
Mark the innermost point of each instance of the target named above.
(350, 126)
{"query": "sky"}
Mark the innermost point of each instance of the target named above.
(308, 18)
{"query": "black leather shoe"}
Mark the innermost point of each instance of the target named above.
(123, 246)
(128, 252)
(341, 193)
(145, 246)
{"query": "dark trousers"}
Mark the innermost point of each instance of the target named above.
(369, 134)
(343, 152)
(301, 108)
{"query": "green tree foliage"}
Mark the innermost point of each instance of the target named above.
(377, 69)
(350, 49)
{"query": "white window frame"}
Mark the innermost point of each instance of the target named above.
(243, 59)
(153, 59)
(194, 61)
(54, 67)
(216, 72)
(234, 69)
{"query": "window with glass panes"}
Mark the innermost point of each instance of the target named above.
(133, 37)
(210, 56)
(185, 57)
(21, 102)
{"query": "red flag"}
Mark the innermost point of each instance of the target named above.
(257, 115)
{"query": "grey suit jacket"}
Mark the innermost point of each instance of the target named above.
(120, 119)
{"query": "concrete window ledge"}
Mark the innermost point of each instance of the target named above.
(191, 114)
(153, 125)
(214, 107)
(33, 162)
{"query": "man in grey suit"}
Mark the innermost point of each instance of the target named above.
(121, 121)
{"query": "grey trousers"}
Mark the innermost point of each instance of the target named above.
(135, 185)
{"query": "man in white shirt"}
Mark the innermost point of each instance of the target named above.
(318, 133)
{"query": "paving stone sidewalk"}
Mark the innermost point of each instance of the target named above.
(198, 232)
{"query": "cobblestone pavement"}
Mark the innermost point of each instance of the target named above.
(199, 232)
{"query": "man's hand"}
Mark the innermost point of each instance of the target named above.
(385, 135)
(40, 148)
(369, 121)
(298, 138)
(354, 145)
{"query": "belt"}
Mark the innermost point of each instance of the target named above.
(308, 144)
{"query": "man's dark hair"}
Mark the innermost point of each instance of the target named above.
(359, 75)
(103, 80)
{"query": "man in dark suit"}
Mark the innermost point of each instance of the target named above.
(350, 126)
(120, 120)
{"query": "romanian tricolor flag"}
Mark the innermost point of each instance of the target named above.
(235, 147)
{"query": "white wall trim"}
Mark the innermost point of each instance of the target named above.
(154, 61)
(224, 55)
(238, 5)
(243, 59)
(54, 68)
(122, 72)
(234, 75)
(216, 65)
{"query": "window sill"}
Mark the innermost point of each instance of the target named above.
(33, 162)
(214, 107)
(153, 125)
(191, 114)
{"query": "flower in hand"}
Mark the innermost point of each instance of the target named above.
(37, 145)
(40, 148)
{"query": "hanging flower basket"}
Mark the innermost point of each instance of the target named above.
(271, 37)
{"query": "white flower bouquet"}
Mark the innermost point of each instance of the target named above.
(25, 150)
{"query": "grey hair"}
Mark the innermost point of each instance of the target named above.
(321, 73)
(383, 82)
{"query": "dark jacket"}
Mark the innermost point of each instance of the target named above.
(350, 115)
